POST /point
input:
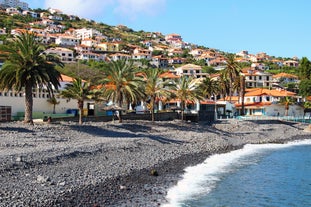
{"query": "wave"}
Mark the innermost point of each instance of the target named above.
(203, 178)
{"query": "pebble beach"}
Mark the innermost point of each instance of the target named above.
(117, 164)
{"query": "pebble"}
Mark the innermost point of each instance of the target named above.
(107, 164)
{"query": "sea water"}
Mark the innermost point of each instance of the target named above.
(264, 175)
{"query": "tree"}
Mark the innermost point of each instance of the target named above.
(27, 67)
(305, 88)
(155, 87)
(305, 68)
(242, 94)
(286, 101)
(231, 72)
(54, 102)
(209, 87)
(186, 89)
(122, 83)
(79, 90)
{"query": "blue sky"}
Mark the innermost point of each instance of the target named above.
(277, 27)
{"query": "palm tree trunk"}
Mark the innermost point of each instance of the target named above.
(242, 95)
(286, 109)
(28, 104)
(119, 112)
(230, 91)
(152, 108)
(182, 110)
(80, 106)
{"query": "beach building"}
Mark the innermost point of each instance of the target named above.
(41, 107)
(260, 101)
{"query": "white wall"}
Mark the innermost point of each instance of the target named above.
(274, 109)
(39, 105)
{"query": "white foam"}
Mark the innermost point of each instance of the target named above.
(203, 178)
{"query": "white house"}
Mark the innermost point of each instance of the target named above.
(191, 70)
(91, 56)
(64, 40)
(66, 55)
(256, 78)
(31, 13)
(260, 101)
(85, 33)
(119, 56)
(159, 61)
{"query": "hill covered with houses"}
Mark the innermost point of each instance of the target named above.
(83, 45)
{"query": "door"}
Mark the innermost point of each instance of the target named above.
(91, 109)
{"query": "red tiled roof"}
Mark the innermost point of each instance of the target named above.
(263, 91)
(169, 75)
(253, 105)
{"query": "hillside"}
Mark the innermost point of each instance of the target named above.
(113, 32)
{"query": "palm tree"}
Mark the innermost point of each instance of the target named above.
(231, 72)
(286, 101)
(79, 90)
(122, 83)
(242, 92)
(209, 87)
(186, 89)
(54, 102)
(155, 87)
(27, 67)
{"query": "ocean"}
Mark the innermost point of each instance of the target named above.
(263, 175)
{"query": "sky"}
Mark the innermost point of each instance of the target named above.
(280, 28)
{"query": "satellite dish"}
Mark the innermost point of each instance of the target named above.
(253, 65)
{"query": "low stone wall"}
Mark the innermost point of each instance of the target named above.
(165, 116)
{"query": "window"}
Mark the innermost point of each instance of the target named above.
(259, 77)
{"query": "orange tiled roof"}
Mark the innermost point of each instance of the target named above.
(207, 102)
(252, 105)
(227, 98)
(169, 75)
(263, 91)
(66, 78)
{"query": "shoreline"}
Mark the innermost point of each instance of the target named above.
(111, 162)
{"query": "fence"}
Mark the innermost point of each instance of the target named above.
(303, 119)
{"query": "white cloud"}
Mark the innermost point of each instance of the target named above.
(133, 8)
(93, 9)
(83, 8)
